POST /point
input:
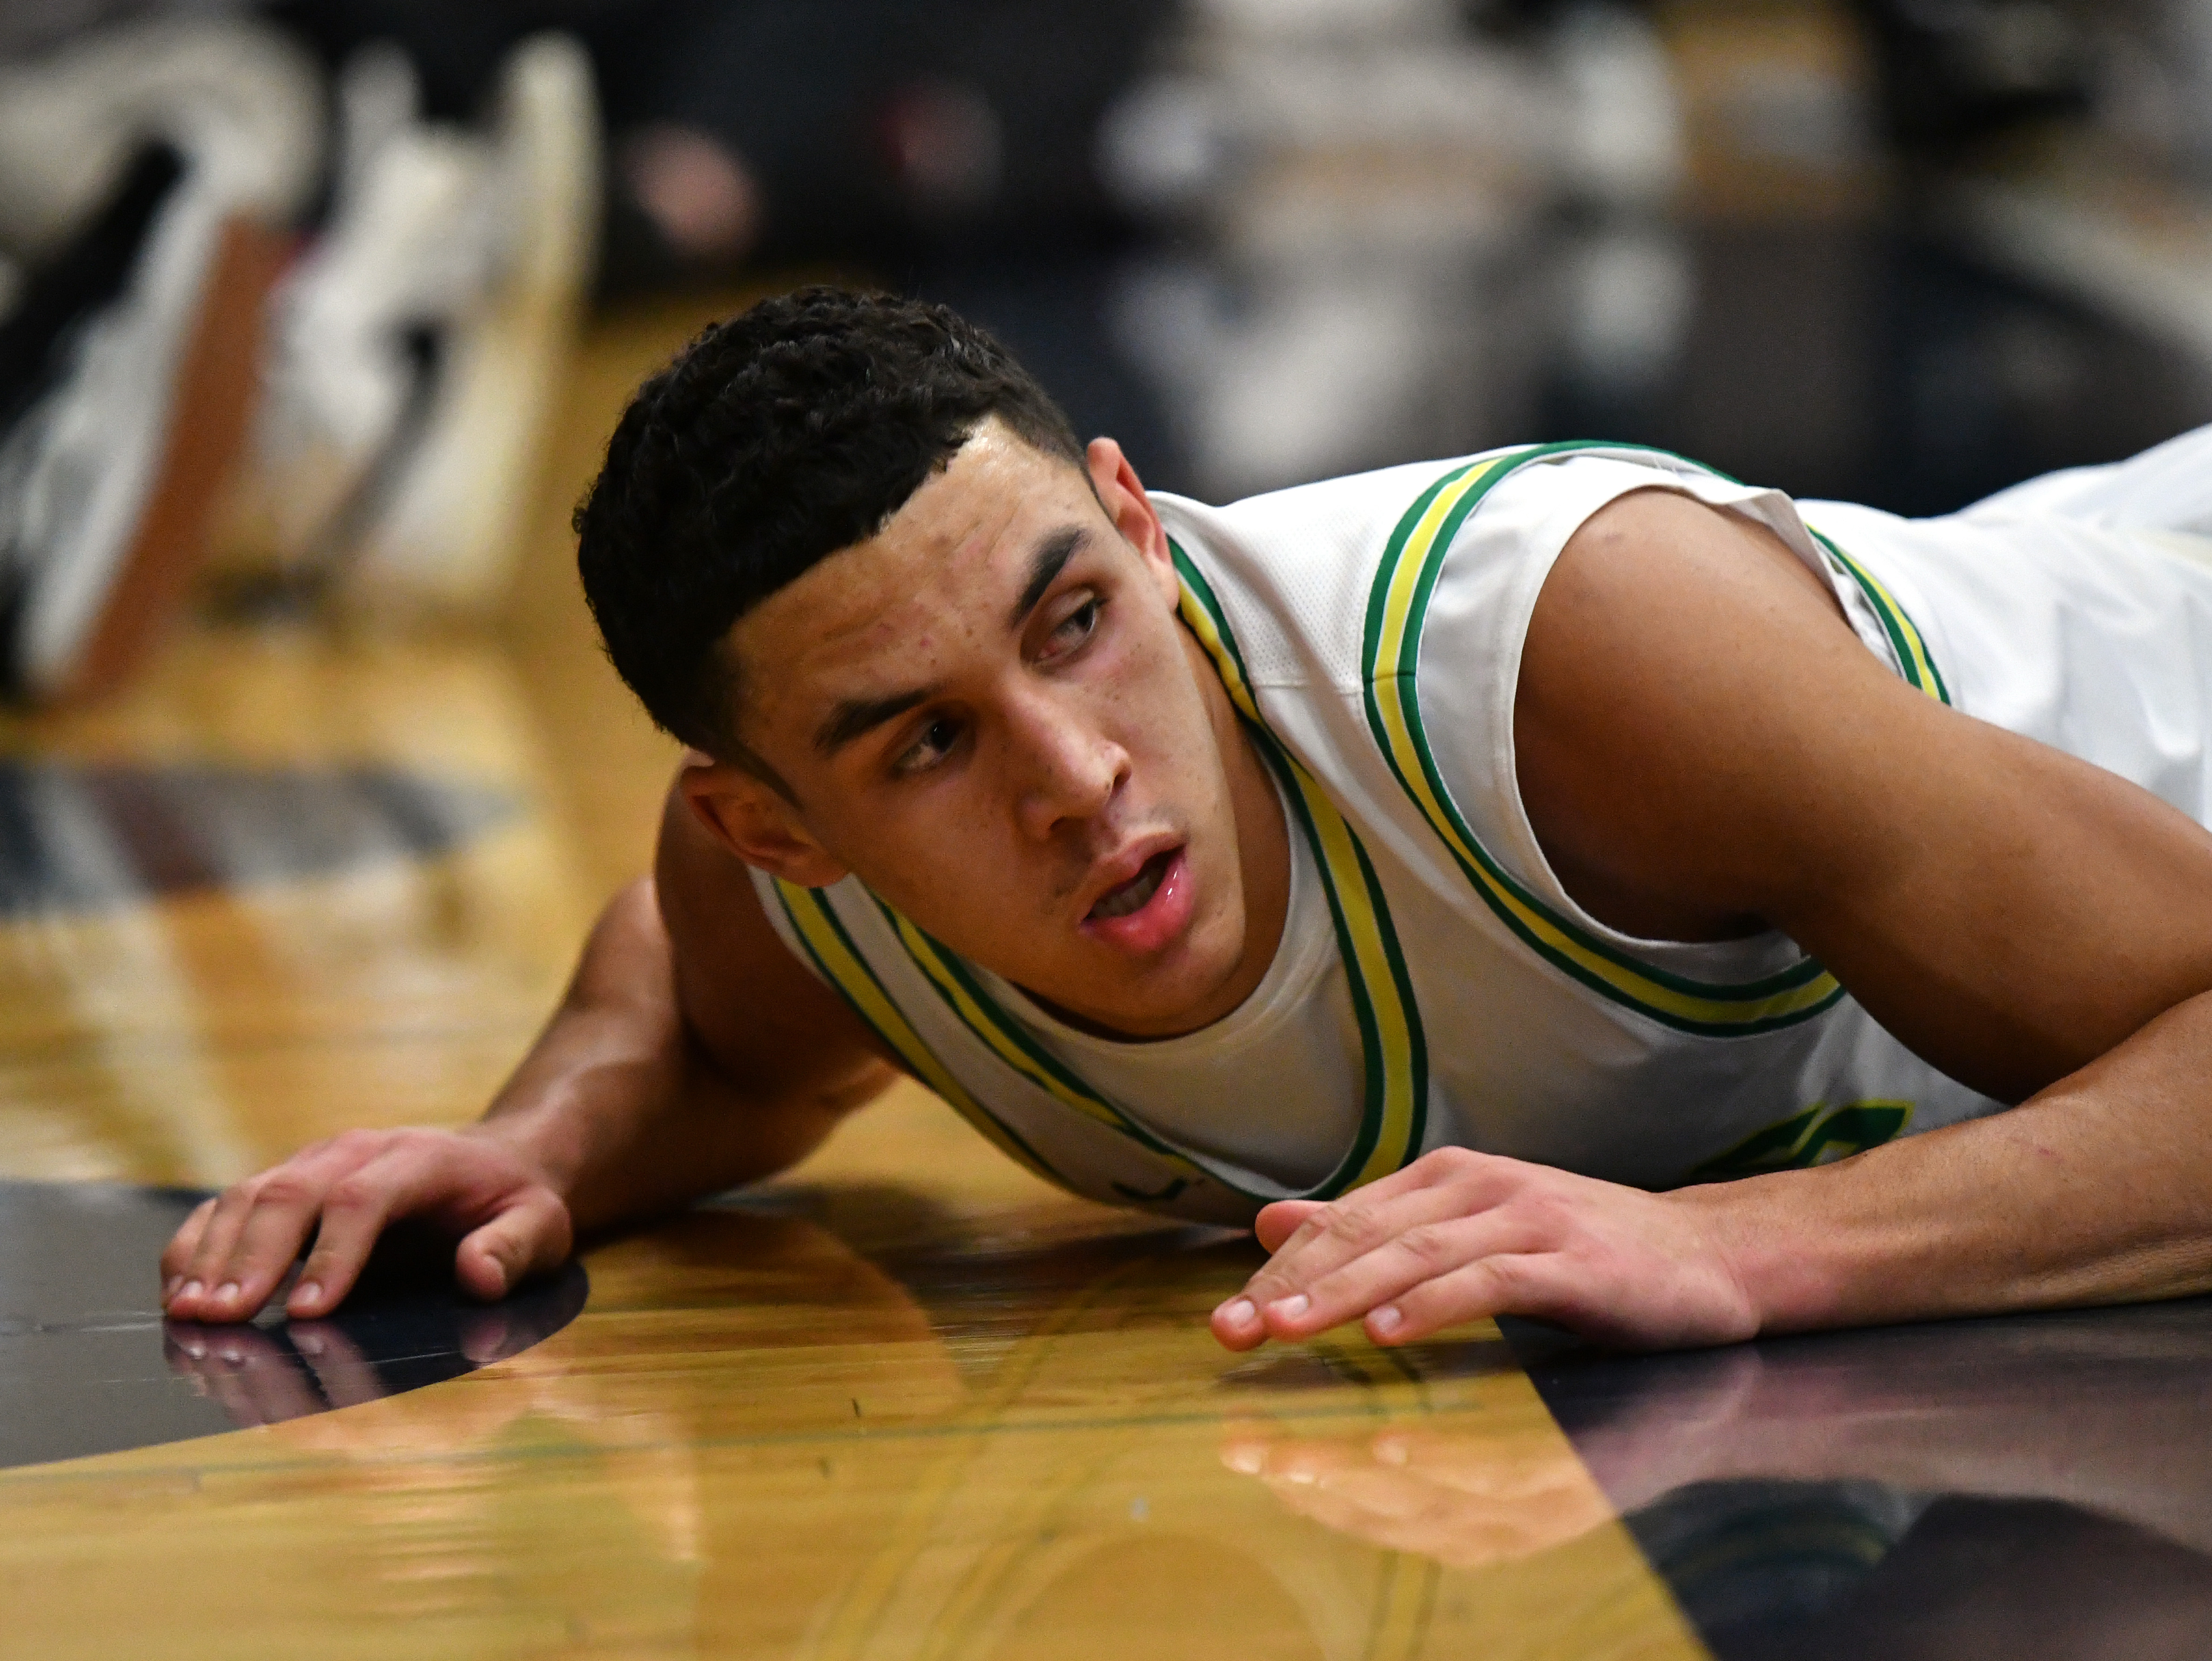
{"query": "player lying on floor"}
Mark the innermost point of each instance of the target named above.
(1461, 870)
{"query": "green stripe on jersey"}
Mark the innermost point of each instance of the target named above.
(1395, 1049)
(1413, 561)
(842, 964)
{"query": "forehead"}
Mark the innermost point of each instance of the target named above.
(940, 574)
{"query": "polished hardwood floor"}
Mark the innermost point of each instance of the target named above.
(906, 1403)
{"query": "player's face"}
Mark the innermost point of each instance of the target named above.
(989, 713)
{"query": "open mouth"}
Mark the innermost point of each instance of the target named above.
(1133, 895)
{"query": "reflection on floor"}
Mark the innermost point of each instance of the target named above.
(2014, 1489)
(907, 1404)
(87, 1365)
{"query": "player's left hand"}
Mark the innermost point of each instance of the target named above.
(1459, 1236)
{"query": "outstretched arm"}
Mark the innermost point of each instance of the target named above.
(2037, 928)
(689, 1054)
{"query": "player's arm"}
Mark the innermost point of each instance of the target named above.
(691, 1052)
(1705, 749)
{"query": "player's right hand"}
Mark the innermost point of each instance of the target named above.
(235, 1250)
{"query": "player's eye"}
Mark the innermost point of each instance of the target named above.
(1074, 628)
(931, 745)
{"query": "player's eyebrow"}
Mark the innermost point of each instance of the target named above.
(855, 717)
(1052, 553)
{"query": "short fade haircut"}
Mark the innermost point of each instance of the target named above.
(776, 439)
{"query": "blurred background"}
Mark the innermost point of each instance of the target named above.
(1900, 251)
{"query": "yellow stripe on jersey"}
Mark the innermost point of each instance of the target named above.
(982, 1016)
(842, 966)
(1398, 601)
(1904, 637)
(1396, 1052)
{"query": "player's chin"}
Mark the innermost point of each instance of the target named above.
(1166, 1017)
(1192, 970)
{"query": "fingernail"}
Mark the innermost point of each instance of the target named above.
(226, 1291)
(308, 1295)
(1292, 1307)
(1387, 1318)
(169, 1287)
(1392, 1449)
(1239, 1312)
(192, 1289)
(1245, 1459)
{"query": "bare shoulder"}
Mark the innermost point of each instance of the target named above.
(1660, 567)
(759, 1012)
(1705, 748)
(1684, 678)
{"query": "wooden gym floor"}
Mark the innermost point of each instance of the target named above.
(907, 1404)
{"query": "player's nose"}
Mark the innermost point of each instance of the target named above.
(1066, 770)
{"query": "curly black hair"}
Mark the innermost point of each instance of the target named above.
(776, 439)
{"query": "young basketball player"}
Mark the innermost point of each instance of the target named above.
(1513, 884)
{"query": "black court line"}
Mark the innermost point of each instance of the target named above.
(89, 1365)
(2013, 1488)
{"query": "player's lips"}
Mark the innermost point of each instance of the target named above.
(1126, 865)
(1146, 900)
(1127, 898)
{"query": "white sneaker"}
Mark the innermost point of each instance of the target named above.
(410, 248)
(418, 346)
(237, 97)
(131, 362)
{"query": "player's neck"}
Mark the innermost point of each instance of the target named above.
(1263, 842)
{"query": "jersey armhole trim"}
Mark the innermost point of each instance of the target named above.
(1412, 563)
(816, 925)
(1914, 660)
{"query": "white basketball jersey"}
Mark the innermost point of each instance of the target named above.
(1436, 984)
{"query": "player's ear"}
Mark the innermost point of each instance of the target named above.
(1122, 494)
(754, 821)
